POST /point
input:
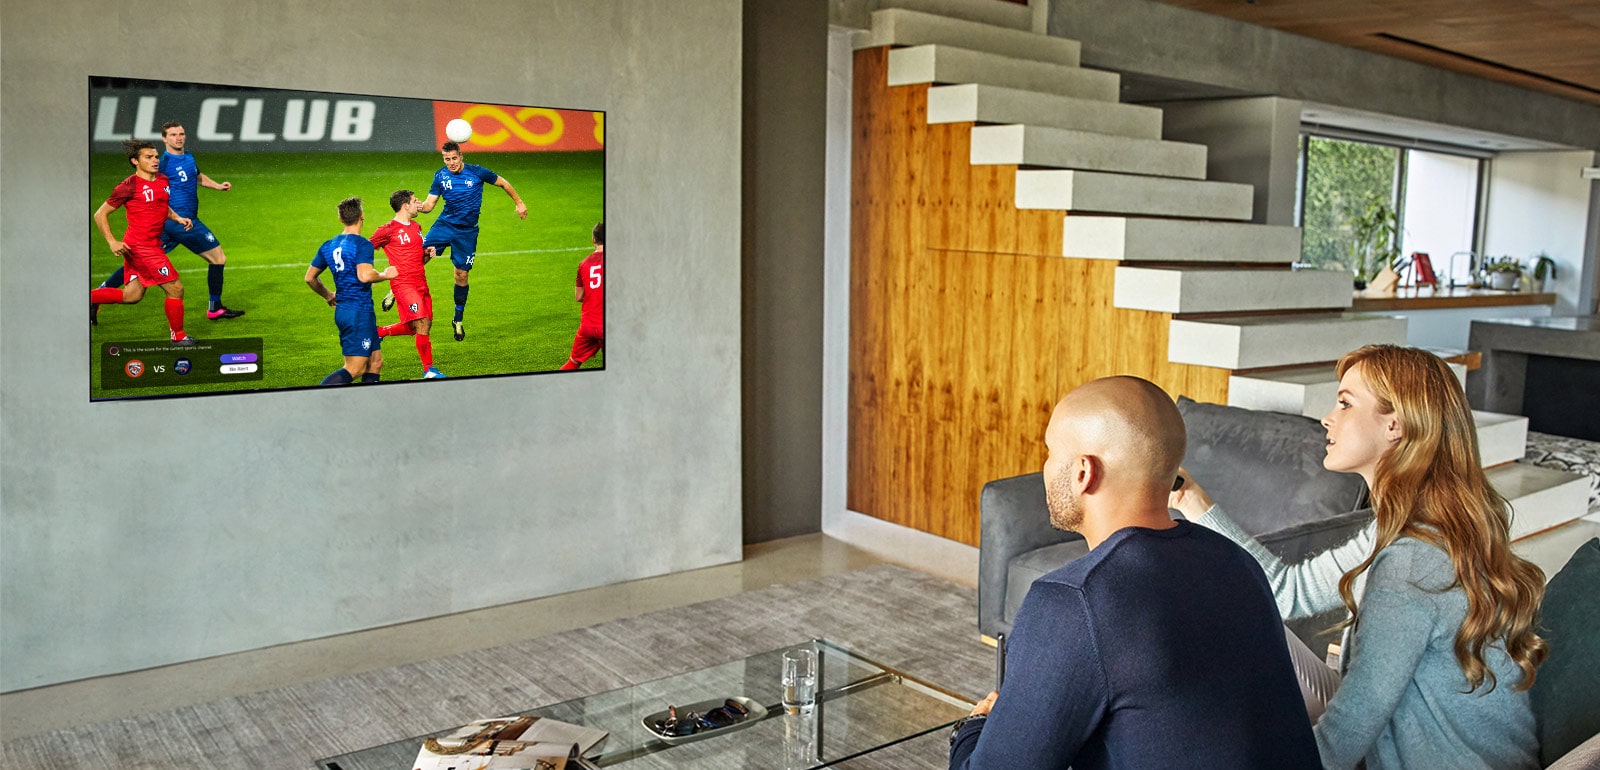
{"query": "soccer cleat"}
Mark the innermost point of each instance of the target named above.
(186, 341)
(461, 332)
(223, 314)
(94, 314)
(433, 374)
(388, 301)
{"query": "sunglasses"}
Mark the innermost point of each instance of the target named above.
(729, 713)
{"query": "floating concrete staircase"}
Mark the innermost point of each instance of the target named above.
(1185, 244)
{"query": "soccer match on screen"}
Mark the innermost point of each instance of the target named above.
(262, 239)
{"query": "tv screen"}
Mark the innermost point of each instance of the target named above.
(249, 239)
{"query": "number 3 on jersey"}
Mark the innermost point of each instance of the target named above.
(595, 276)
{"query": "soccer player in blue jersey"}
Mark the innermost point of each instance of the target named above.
(456, 230)
(350, 257)
(184, 180)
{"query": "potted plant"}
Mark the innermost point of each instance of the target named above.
(1373, 245)
(1503, 274)
(1543, 269)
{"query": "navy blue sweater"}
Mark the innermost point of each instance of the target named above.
(1158, 649)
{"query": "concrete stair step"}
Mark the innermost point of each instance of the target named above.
(1210, 290)
(1133, 239)
(1541, 498)
(948, 64)
(1502, 438)
(1025, 145)
(1131, 194)
(1252, 342)
(904, 27)
(978, 103)
(1009, 15)
(1306, 390)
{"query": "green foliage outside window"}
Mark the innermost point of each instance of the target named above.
(1342, 180)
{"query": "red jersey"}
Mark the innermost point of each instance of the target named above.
(403, 244)
(146, 202)
(592, 281)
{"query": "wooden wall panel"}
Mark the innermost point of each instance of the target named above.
(966, 324)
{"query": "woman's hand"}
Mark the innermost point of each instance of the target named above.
(1190, 499)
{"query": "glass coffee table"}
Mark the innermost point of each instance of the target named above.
(862, 706)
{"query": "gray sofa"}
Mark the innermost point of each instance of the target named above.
(1265, 468)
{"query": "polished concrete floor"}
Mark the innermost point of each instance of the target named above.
(783, 561)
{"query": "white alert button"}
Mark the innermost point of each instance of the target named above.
(238, 368)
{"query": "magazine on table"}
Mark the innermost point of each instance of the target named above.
(511, 743)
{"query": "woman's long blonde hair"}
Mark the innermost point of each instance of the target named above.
(1430, 486)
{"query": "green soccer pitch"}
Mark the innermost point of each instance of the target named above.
(520, 314)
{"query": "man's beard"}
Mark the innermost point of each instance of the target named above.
(1066, 510)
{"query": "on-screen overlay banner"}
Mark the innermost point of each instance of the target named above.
(273, 120)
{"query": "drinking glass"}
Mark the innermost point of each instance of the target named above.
(800, 680)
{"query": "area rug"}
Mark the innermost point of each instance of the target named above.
(908, 620)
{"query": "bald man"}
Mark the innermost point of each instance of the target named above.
(1160, 648)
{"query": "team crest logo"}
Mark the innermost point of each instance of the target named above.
(415, 307)
(469, 182)
(366, 344)
(134, 368)
(183, 366)
(211, 237)
(164, 272)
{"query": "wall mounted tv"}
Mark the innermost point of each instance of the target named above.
(226, 254)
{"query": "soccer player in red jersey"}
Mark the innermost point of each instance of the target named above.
(591, 291)
(145, 195)
(401, 239)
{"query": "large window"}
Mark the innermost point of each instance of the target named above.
(1435, 195)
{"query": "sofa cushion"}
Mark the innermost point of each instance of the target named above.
(1035, 564)
(1563, 693)
(1265, 468)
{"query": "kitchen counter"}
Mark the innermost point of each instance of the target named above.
(1430, 298)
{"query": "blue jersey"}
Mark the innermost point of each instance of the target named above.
(183, 176)
(462, 193)
(341, 254)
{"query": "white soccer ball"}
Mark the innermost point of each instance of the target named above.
(458, 130)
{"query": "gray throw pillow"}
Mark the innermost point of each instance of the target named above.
(1564, 692)
(1265, 468)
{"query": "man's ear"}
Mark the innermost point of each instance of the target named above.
(1087, 473)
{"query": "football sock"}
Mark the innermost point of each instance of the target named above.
(114, 280)
(175, 317)
(340, 376)
(214, 285)
(425, 351)
(396, 330)
(105, 296)
(461, 301)
(369, 377)
(570, 365)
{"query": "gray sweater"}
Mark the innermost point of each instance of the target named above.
(1402, 703)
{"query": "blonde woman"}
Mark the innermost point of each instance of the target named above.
(1440, 649)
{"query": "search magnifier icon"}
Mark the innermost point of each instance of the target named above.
(113, 351)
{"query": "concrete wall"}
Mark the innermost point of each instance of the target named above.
(139, 534)
(1159, 40)
(1538, 202)
(785, 89)
(1253, 141)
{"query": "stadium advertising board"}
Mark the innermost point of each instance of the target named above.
(228, 251)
